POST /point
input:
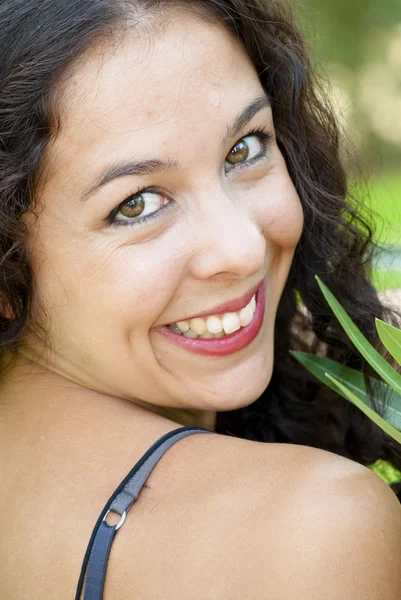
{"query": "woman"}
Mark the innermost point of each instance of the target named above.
(168, 175)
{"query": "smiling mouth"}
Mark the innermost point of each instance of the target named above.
(216, 326)
(222, 343)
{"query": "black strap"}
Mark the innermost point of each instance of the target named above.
(124, 496)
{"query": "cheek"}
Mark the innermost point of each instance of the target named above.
(125, 287)
(88, 278)
(280, 212)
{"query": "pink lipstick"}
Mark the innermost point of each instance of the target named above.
(227, 344)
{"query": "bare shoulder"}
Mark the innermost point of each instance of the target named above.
(332, 531)
(340, 537)
(231, 518)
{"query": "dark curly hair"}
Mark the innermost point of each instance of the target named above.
(38, 41)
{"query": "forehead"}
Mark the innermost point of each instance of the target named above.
(153, 72)
(153, 80)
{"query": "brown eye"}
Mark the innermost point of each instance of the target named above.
(132, 208)
(140, 206)
(248, 148)
(238, 154)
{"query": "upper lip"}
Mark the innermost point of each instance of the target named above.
(232, 306)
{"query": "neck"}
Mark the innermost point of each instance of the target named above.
(22, 379)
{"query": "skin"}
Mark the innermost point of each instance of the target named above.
(77, 416)
(104, 289)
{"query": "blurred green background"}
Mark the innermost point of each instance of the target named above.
(357, 44)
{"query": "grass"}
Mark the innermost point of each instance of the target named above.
(386, 280)
(386, 200)
(382, 281)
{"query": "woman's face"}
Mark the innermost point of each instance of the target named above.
(227, 217)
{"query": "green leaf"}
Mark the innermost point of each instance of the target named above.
(373, 416)
(385, 397)
(391, 338)
(380, 365)
(385, 470)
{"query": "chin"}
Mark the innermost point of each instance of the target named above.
(229, 398)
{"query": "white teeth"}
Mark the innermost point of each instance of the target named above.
(198, 325)
(190, 334)
(246, 315)
(231, 322)
(215, 326)
(175, 329)
(183, 326)
(208, 335)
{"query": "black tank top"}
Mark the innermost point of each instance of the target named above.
(95, 561)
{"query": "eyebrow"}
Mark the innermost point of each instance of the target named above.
(149, 167)
(245, 116)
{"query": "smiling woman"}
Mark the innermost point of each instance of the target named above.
(169, 182)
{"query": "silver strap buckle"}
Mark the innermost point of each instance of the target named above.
(121, 522)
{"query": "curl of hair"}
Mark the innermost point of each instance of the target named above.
(38, 40)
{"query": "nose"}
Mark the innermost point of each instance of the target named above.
(227, 237)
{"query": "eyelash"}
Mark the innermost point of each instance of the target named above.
(111, 221)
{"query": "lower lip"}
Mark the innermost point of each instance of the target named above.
(228, 344)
